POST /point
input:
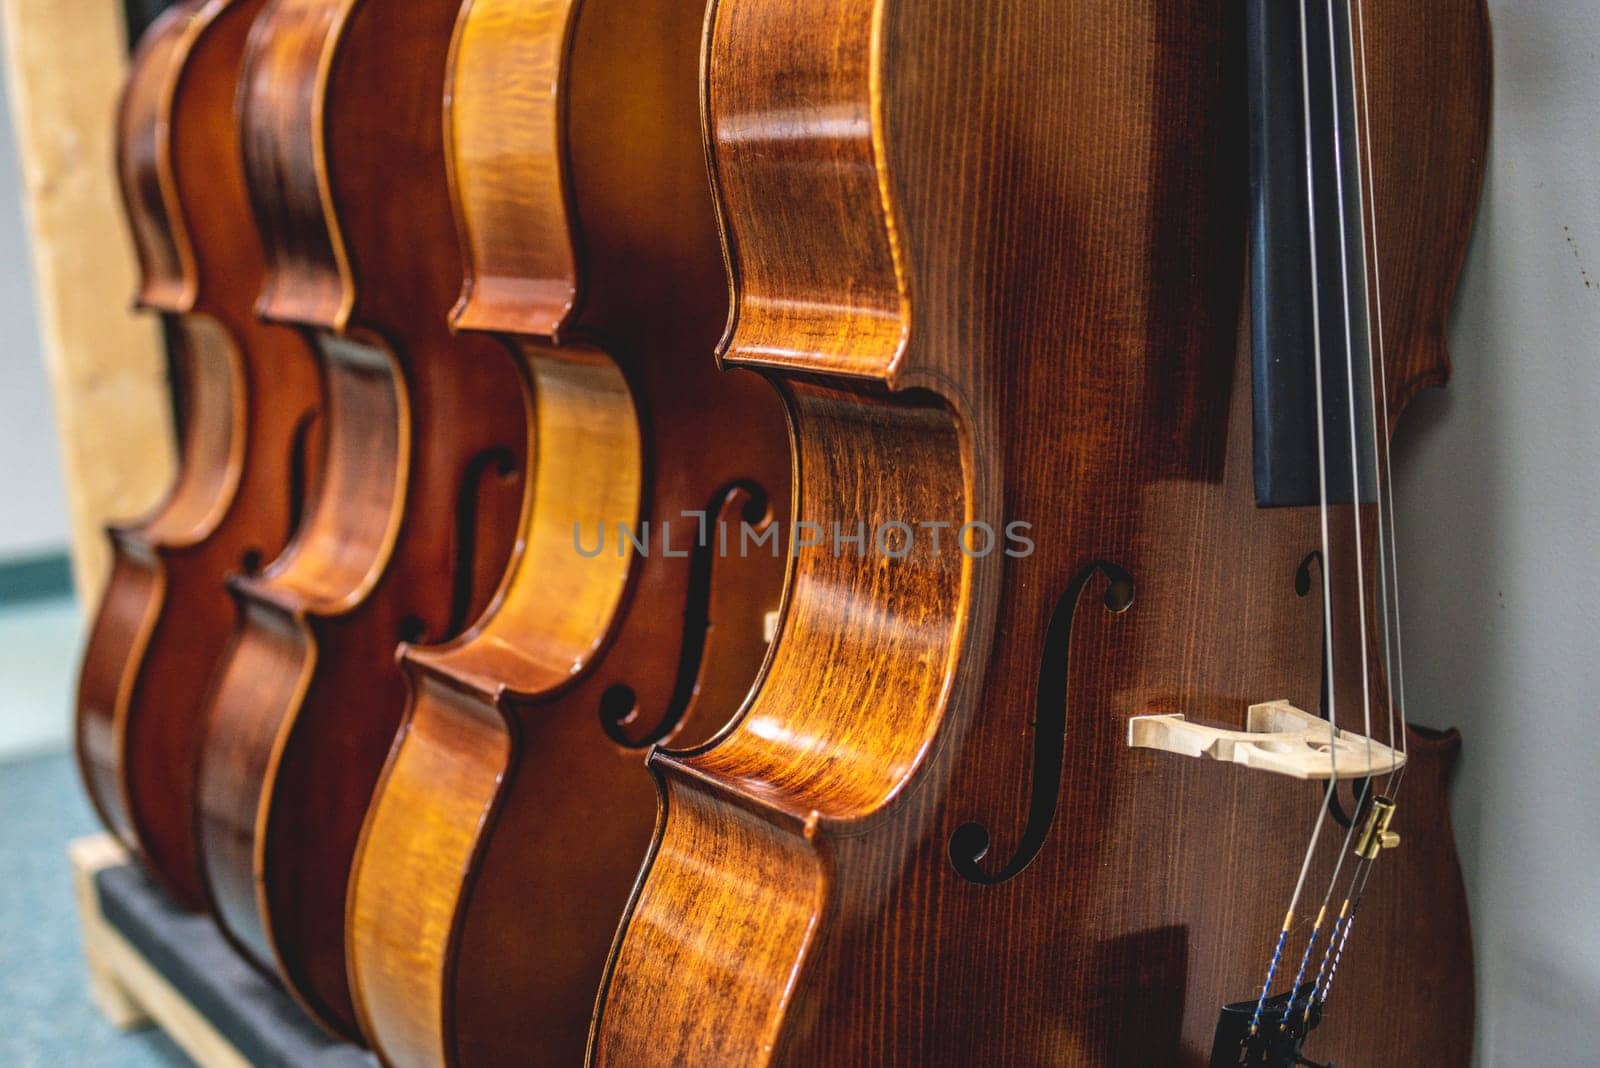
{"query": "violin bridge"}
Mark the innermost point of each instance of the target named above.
(1279, 738)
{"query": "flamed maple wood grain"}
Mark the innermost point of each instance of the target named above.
(997, 250)
(428, 436)
(248, 393)
(510, 822)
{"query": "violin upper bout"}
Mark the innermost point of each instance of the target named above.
(802, 196)
(281, 111)
(503, 145)
(169, 279)
(1427, 160)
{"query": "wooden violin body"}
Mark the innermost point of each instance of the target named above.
(515, 809)
(997, 251)
(423, 486)
(248, 395)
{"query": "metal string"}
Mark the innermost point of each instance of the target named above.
(1322, 482)
(1350, 376)
(1388, 564)
(1388, 560)
(1337, 113)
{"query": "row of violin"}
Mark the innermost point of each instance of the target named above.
(618, 607)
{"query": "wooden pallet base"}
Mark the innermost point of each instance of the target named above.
(126, 989)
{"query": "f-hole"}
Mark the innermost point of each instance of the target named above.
(300, 460)
(970, 843)
(1304, 583)
(619, 705)
(499, 462)
(300, 473)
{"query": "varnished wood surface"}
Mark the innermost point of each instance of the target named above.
(428, 437)
(515, 810)
(1027, 222)
(248, 394)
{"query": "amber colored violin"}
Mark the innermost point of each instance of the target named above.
(1050, 803)
(515, 809)
(247, 394)
(427, 444)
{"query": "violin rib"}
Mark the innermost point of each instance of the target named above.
(427, 442)
(515, 809)
(995, 253)
(249, 396)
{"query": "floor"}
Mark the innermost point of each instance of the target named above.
(46, 1020)
(39, 645)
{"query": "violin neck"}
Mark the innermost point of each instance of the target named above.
(1308, 258)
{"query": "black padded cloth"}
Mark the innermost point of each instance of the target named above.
(253, 1013)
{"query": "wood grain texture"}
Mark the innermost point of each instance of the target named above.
(515, 810)
(422, 490)
(1057, 192)
(249, 394)
(65, 62)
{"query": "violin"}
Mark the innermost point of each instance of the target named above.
(248, 395)
(1125, 301)
(514, 810)
(423, 486)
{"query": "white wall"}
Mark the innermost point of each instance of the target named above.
(1498, 491)
(33, 506)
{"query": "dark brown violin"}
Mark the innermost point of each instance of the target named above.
(1044, 792)
(247, 394)
(428, 439)
(515, 809)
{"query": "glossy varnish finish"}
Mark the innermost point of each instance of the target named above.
(427, 441)
(516, 809)
(248, 393)
(1027, 222)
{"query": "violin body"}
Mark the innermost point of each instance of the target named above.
(996, 252)
(422, 488)
(248, 395)
(514, 811)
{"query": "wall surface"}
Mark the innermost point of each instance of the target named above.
(1498, 492)
(33, 504)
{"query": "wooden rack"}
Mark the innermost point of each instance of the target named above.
(208, 1000)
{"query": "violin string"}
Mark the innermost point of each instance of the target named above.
(1322, 483)
(1353, 898)
(1377, 384)
(1336, 946)
(1387, 558)
(1350, 373)
(1350, 387)
(1365, 214)
(1390, 556)
(1367, 197)
(1336, 943)
(1336, 112)
(1322, 456)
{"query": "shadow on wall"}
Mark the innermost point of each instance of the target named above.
(1498, 492)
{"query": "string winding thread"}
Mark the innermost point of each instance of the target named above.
(1338, 955)
(1334, 942)
(1272, 970)
(1299, 976)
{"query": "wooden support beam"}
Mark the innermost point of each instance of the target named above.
(122, 984)
(64, 64)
